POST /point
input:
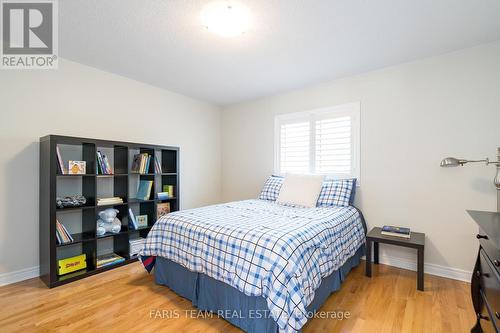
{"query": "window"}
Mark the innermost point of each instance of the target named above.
(324, 141)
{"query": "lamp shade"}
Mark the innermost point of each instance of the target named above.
(451, 162)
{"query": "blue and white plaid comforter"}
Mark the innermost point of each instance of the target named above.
(262, 249)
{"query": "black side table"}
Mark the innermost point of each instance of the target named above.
(416, 241)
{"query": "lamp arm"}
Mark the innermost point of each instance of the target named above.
(497, 163)
(486, 160)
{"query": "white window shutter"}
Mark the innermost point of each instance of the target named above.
(333, 146)
(324, 141)
(294, 147)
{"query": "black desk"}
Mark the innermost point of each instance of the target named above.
(416, 241)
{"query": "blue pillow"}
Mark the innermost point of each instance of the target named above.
(271, 188)
(338, 192)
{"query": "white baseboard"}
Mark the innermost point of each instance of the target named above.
(20, 275)
(433, 269)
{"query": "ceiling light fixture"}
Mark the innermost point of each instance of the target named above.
(226, 18)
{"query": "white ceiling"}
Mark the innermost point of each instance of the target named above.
(292, 43)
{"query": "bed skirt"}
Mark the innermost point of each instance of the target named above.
(250, 313)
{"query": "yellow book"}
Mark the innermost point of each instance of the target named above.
(72, 264)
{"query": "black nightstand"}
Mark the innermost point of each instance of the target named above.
(416, 241)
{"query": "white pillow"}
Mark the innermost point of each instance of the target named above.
(300, 190)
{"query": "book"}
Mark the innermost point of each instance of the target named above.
(72, 264)
(59, 233)
(148, 160)
(111, 263)
(136, 163)
(132, 222)
(136, 245)
(163, 195)
(109, 201)
(136, 241)
(60, 162)
(76, 167)
(142, 221)
(109, 171)
(157, 165)
(400, 230)
(108, 259)
(144, 189)
(62, 234)
(394, 234)
(99, 168)
(58, 237)
(141, 163)
(390, 230)
(162, 209)
(169, 189)
(103, 165)
(67, 232)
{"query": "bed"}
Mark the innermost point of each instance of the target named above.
(263, 266)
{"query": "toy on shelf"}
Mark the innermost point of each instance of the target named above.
(72, 201)
(108, 222)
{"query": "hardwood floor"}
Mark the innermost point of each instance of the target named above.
(127, 299)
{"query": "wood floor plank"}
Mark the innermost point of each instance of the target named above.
(126, 299)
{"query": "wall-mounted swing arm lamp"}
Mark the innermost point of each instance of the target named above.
(453, 162)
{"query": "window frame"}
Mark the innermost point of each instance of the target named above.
(349, 109)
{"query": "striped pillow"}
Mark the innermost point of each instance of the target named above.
(338, 192)
(271, 188)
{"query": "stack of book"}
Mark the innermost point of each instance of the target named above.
(103, 165)
(141, 163)
(144, 189)
(60, 163)
(163, 195)
(109, 201)
(62, 234)
(390, 230)
(136, 245)
(109, 259)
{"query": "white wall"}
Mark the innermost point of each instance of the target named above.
(412, 116)
(81, 101)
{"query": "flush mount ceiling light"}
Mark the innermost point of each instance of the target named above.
(226, 18)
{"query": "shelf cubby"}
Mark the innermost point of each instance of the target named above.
(149, 209)
(75, 249)
(171, 179)
(74, 185)
(120, 160)
(81, 221)
(142, 232)
(168, 161)
(77, 151)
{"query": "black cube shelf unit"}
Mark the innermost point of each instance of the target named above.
(81, 221)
